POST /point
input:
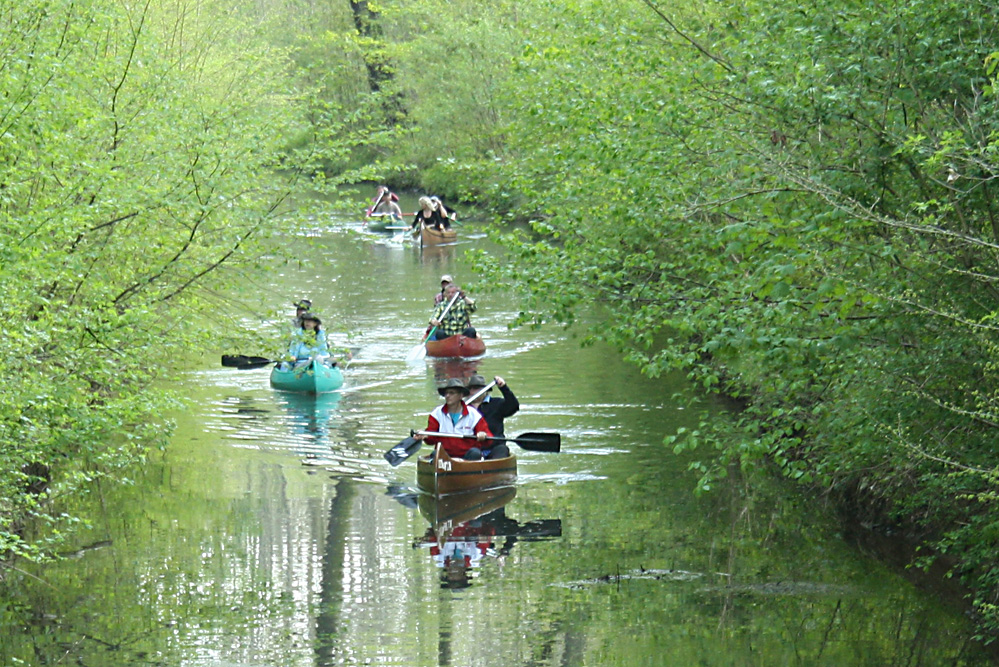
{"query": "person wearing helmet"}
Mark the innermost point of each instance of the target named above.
(468, 427)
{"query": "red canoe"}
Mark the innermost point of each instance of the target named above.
(456, 346)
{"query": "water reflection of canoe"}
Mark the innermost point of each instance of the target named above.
(430, 236)
(456, 346)
(312, 378)
(311, 414)
(439, 475)
(444, 513)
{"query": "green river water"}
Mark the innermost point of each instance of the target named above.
(272, 532)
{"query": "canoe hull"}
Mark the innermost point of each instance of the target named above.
(430, 236)
(311, 379)
(456, 346)
(438, 474)
(382, 223)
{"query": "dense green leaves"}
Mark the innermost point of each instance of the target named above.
(135, 182)
(793, 205)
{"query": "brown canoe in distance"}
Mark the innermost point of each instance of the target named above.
(438, 474)
(456, 346)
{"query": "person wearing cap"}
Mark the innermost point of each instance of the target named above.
(302, 306)
(457, 319)
(454, 417)
(309, 342)
(446, 280)
(494, 410)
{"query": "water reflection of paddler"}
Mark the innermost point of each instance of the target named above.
(466, 527)
(456, 539)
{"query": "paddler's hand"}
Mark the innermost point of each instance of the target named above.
(481, 436)
(500, 382)
(435, 323)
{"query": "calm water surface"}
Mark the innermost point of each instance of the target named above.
(272, 531)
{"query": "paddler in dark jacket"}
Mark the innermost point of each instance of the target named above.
(494, 410)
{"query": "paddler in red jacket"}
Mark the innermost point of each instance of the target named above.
(461, 420)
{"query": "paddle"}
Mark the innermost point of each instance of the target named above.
(243, 362)
(403, 451)
(378, 200)
(471, 399)
(420, 351)
(538, 442)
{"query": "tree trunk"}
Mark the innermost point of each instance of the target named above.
(366, 21)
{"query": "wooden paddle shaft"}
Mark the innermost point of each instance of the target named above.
(471, 399)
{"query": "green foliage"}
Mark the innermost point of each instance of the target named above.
(135, 186)
(795, 207)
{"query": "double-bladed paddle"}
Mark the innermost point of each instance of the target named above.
(538, 442)
(420, 350)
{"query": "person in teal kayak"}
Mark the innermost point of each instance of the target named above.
(302, 306)
(307, 343)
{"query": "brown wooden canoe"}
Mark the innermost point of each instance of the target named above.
(438, 474)
(429, 236)
(456, 346)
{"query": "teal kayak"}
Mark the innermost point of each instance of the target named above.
(312, 378)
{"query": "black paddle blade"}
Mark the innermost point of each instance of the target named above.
(539, 442)
(243, 362)
(402, 451)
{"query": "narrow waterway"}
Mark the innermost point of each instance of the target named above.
(272, 531)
